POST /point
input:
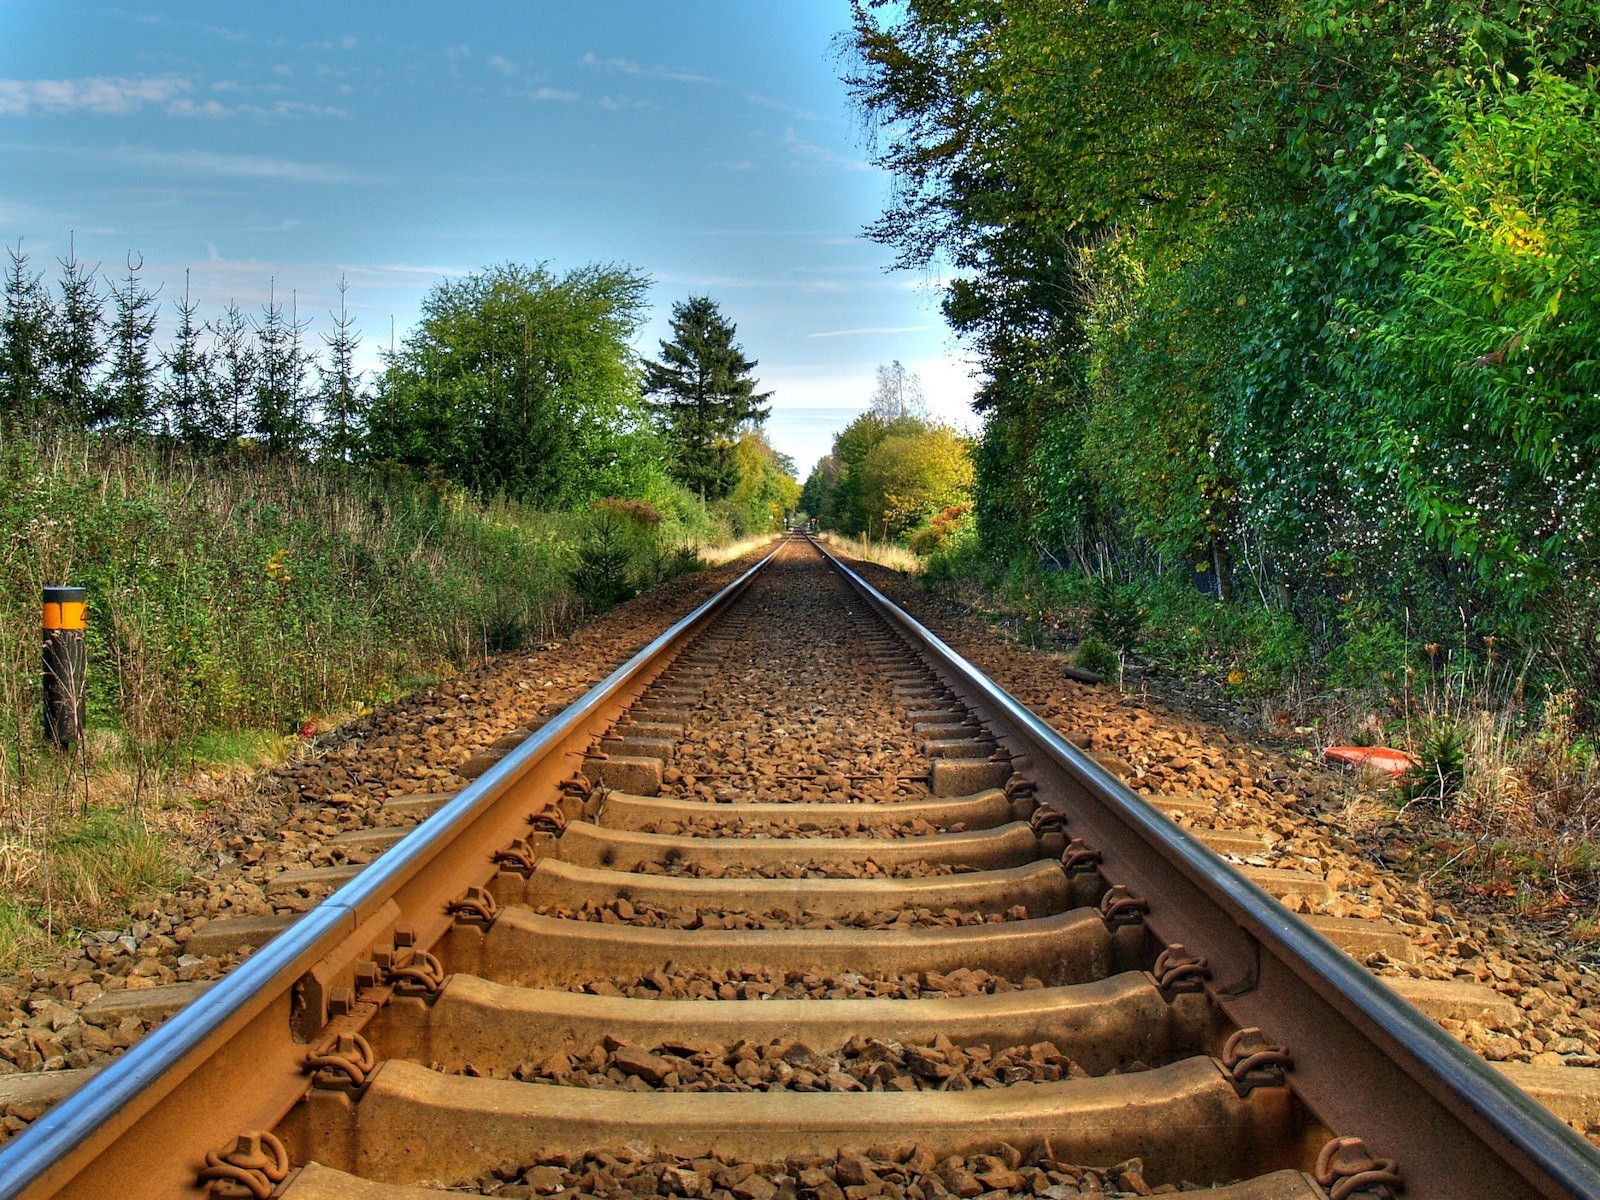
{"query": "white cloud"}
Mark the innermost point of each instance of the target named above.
(102, 95)
(809, 154)
(185, 107)
(628, 67)
(619, 102)
(239, 166)
(832, 333)
(502, 64)
(550, 93)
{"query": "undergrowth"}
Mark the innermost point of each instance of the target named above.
(1507, 774)
(236, 601)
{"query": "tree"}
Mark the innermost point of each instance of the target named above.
(898, 393)
(517, 381)
(705, 393)
(75, 342)
(907, 477)
(189, 393)
(237, 363)
(343, 403)
(282, 407)
(25, 330)
(126, 398)
(766, 490)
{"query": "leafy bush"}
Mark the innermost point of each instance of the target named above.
(1092, 654)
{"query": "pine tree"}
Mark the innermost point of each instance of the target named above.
(704, 393)
(343, 402)
(75, 341)
(126, 398)
(281, 404)
(24, 341)
(237, 362)
(189, 395)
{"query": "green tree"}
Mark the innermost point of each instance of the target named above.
(126, 398)
(908, 476)
(765, 490)
(25, 328)
(76, 347)
(343, 401)
(521, 382)
(237, 364)
(705, 394)
(189, 393)
(282, 407)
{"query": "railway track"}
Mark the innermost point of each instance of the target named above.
(796, 906)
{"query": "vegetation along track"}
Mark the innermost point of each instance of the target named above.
(797, 847)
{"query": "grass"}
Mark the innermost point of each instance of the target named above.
(234, 602)
(716, 556)
(1506, 802)
(886, 554)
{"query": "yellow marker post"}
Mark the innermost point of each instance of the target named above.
(66, 618)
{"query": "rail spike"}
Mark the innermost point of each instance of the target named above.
(474, 907)
(255, 1166)
(344, 1061)
(1079, 859)
(1254, 1062)
(549, 819)
(1177, 970)
(1120, 907)
(1047, 820)
(1346, 1168)
(516, 856)
(414, 972)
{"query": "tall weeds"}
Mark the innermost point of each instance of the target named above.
(226, 593)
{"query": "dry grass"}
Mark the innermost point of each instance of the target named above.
(716, 556)
(885, 554)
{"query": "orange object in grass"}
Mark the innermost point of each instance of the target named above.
(1379, 758)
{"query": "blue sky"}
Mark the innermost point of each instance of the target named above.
(707, 144)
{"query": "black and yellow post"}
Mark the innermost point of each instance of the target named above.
(65, 664)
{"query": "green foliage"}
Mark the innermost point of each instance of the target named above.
(601, 575)
(253, 593)
(889, 472)
(704, 393)
(1441, 767)
(520, 382)
(1299, 302)
(1115, 613)
(1094, 654)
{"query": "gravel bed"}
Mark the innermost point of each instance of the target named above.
(756, 827)
(286, 818)
(652, 916)
(860, 1065)
(885, 1172)
(869, 868)
(670, 983)
(755, 730)
(1262, 786)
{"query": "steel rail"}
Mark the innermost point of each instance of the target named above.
(91, 1118)
(1482, 1106)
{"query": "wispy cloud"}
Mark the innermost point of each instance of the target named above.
(239, 166)
(619, 102)
(629, 67)
(185, 107)
(502, 64)
(793, 110)
(810, 154)
(550, 93)
(871, 329)
(102, 95)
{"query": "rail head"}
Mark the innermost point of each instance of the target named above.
(1552, 1159)
(53, 1149)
